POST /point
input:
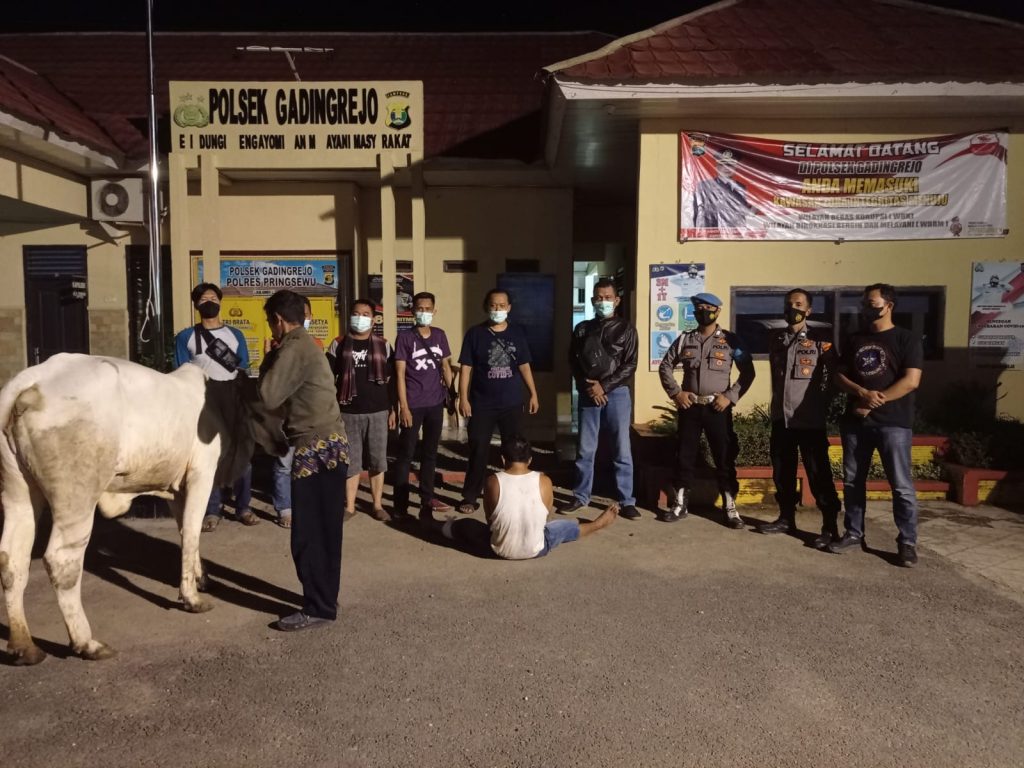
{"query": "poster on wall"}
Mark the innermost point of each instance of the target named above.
(533, 309)
(403, 301)
(672, 286)
(937, 187)
(996, 332)
(248, 281)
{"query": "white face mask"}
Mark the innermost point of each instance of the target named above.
(360, 323)
(424, 318)
(604, 308)
(498, 315)
(305, 323)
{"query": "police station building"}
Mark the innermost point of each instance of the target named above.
(742, 149)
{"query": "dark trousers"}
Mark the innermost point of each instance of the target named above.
(717, 426)
(318, 504)
(480, 428)
(812, 445)
(431, 420)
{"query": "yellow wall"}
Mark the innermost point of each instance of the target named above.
(809, 264)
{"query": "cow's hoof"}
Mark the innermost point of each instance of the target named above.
(26, 657)
(199, 606)
(96, 651)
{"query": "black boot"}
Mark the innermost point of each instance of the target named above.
(829, 531)
(785, 523)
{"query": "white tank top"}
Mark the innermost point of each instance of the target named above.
(517, 525)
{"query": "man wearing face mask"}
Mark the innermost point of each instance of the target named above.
(802, 369)
(705, 402)
(495, 360)
(362, 365)
(602, 358)
(200, 345)
(423, 373)
(880, 370)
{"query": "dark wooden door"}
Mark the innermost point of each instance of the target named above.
(56, 301)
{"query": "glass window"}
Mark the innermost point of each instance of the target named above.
(758, 311)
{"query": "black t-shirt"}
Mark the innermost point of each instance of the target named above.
(495, 358)
(371, 397)
(876, 361)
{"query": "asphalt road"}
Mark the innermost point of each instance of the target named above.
(645, 645)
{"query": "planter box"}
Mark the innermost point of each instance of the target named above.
(973, 485)
(654, 457)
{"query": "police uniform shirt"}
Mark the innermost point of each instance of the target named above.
(801, 368)
(707, 364)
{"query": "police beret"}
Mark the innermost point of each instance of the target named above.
(706, 298)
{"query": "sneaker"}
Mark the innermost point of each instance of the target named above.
(908, 555)
(630, 512)
(732, 515)
(680, 509)
(847, 542)
(670, 516)
(782, 524)
(299, 620)
(823, 539)
(570, 507)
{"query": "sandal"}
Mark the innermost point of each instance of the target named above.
(466, 508)
(379, 513)
(210, 523)
(246, 517)
(285, 521)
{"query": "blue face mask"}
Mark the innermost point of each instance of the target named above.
(305, 323)
(360, 323)
(498, 316)
(604, 308)
(424, 318)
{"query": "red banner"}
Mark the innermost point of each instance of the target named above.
(743, 188)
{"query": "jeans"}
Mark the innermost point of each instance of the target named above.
(316, 538)
(813, 447)
(615, 417)
(282, 479)
(242, 491)
(559, 532)
(893, 444)
(717, 425)
(432, 421)
(481, 426)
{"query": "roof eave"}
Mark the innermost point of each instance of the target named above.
(66, 152)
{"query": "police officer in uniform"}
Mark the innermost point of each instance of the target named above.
(802, 367)
(705, 402)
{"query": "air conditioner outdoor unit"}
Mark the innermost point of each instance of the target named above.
(117, 200)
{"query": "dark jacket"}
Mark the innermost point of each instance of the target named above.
(617, 337)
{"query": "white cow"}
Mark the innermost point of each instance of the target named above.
(80, 432)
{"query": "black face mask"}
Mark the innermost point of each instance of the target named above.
(208, 310)
(705, 316)
(794, 316)
(870, 314)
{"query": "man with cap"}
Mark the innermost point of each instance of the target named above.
(705, 402)
(721, 202)
(802, 369)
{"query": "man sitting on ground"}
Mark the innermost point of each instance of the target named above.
(517, 502)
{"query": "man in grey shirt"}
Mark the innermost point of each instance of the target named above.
(802, 369)
(705, 402)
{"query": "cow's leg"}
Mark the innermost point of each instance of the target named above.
(177, 505)
(72, 527)
(15, 559)
(198, 486)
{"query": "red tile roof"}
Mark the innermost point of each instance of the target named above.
(30, 97)
(811, 41)
(475, 85)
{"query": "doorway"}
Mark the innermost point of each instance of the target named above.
(56, 301)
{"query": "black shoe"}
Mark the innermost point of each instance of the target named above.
(630, 512)
(299, 620)
(427, 515)
(908, 555)
(671, 516)
(823, 539)
(400, 517)
(573, 506)
(847, 542)
(782, 524)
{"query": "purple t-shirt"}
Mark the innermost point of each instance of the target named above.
(424, 383)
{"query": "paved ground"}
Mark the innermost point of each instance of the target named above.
(645, 645)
